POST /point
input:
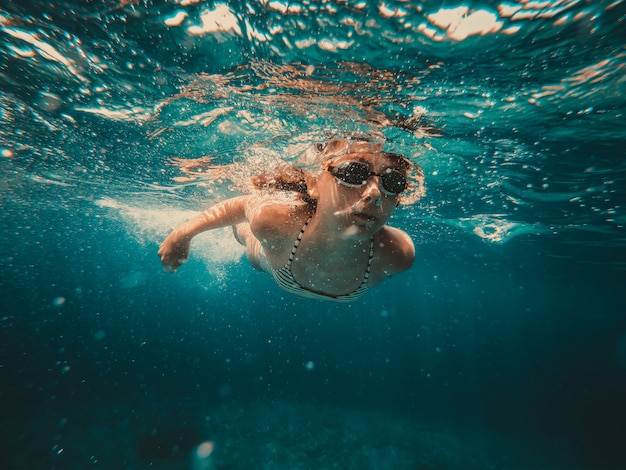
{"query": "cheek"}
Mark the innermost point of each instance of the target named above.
(389, 204)
(331, 192)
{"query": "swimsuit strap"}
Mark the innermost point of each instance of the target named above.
(296, 244)
(369, 264)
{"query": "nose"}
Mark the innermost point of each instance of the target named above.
(371, 193)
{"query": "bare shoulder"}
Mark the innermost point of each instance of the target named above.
(273, 218)
(394, 249)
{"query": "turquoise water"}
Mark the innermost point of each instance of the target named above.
(504, 346)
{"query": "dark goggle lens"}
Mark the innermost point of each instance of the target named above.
(353, 173)
(357, 174)
(393, 181)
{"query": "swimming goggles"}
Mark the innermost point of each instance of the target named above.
(355, 174)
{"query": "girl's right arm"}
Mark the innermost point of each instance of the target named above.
(174, 250)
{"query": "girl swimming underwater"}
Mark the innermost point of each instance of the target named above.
(329, 239)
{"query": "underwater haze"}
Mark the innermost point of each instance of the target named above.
(503, 347)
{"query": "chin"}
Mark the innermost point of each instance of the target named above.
(359, 231)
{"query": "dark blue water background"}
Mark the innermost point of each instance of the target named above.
(503, 347)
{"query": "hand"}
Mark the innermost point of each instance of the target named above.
(174, 251)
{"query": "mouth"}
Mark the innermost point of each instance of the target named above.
(364, 217)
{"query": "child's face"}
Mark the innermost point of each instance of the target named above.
(360, 209)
